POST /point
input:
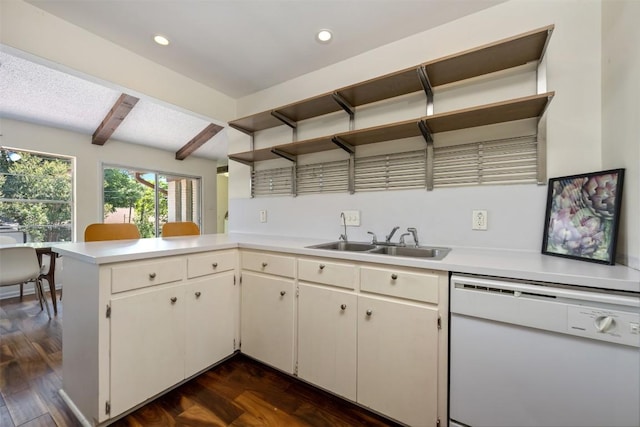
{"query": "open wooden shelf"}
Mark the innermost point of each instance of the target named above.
(501, 55)
(499, 112)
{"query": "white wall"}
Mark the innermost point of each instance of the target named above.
(516, 213)
(621, 115)
(90, 158)
(222, 201)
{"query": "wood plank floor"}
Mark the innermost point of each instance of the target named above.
(239, 392)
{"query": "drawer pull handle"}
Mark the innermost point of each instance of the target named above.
(343, 307)
(152, 276)
(321, 266)
(283, 293)
(198, 294)
(394, 276)
(264, 264)
(173, 300)
(369, 312)
(214, 265)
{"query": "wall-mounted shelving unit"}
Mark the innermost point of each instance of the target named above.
(501, 55)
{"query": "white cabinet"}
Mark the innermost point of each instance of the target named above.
(382, 344)
(136, 329)
(210, 327)
(267, 319)
(267, 323)
(147, 344)
(402, 343)
(327, 338)
(398, 359)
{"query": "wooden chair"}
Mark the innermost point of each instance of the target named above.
(99, 232)
(187, 228)
(19, 265)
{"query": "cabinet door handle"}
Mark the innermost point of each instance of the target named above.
(264, 264)
(343, 307)
(369, 312)
(321, 266)
(394, 276)
(152, 276)
(198, 294)
(283, 293)
(214, 265)
(173, 300)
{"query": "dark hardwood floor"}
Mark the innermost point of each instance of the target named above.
(239, 392)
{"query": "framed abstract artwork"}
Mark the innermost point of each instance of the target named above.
(582, 216)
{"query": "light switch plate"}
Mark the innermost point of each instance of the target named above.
(263, 215)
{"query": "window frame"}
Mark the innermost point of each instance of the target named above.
(158, 227)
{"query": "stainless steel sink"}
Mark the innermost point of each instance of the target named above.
(345, 246)
(434, 253)
(413, 252)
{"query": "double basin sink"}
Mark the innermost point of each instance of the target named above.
(427, 252)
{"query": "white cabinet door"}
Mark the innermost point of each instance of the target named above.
(398, 360)
(147, 345)
(327, 338)
(211, 307)
(267, 323)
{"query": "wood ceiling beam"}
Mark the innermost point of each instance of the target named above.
(114, 118)
(191, 146)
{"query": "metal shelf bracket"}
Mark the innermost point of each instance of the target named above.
(426, 134)
(343, 144)
(284, 155)
(348, 108)
(284, 119)
(428, 89)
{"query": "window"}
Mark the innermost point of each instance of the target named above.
(36, 196)
(149, 199)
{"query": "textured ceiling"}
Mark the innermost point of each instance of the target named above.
(40, 94)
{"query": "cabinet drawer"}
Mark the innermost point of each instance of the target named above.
(210, 263)
(400, 283)
(328, 273)
(269, 263)
(142, 274)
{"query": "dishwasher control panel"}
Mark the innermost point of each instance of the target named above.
(622, 327)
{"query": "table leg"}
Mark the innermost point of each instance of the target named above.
(50, 276)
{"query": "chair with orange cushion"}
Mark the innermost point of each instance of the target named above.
(99, 232)
(186, 228)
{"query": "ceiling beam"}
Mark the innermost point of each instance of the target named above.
(191, 146)
(116, 115)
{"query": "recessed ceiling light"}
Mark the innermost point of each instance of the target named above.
(161, 40)
(324, 36)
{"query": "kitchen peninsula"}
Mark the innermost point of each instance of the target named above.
(142, 316)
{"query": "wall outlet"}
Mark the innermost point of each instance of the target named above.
(351, 218)
(263, 215)
(479, 220)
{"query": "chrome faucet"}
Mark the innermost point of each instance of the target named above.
(388, 238)
(344, 224)
(401, 242)
(414, 232)
(374, 239)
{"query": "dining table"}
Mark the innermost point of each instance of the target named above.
(42, 249)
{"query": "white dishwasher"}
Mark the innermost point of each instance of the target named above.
(528, 354)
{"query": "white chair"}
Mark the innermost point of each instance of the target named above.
(8, 240)
(18, 265)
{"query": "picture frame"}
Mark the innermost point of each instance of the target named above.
(582, 216)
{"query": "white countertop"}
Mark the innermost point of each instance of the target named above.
(500, 263)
